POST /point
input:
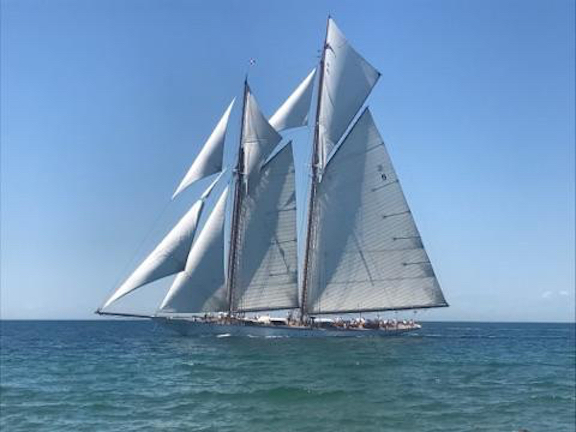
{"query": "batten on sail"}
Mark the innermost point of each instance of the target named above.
(367, 253)
(266, 275)
(169, 257)
(201, 286)
(294, 111)
(347, 81)
(209, 160)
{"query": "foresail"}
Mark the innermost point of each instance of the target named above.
(201, 286)
(266, 274)
(209, 160)
(347, 81)
(169, 257)
(368, 254)
(294, 111)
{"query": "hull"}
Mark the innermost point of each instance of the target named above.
(187, 327)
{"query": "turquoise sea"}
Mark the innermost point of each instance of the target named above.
(135, 376)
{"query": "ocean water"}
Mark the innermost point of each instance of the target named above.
(135, 376)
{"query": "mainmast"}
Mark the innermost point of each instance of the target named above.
(237, 198)
(315, 162)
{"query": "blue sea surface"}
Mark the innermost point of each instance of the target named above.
(135, 376)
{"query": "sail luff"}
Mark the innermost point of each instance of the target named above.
(315, 160)
(238, 180)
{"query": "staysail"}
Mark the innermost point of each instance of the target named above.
(294, 111)
(201, 286)
(209, 160)
(169, 257)
(368, 254)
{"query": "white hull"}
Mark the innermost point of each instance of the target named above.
(188, 327)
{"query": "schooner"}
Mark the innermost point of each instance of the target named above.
(362, 251)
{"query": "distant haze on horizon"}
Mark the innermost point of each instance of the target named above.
(105, 103)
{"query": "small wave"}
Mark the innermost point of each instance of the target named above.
(223, 335)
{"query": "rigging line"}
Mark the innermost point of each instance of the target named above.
(137, 251)
(363, 258)
(301, 240)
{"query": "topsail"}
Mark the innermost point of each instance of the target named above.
(347, 81)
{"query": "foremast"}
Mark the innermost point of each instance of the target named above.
(238, 179)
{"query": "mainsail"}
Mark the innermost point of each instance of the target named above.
(201, 286)
(262, 263)
(368, 253)
(363, 250)
(209, 160)
(169, 257)
(266, 275)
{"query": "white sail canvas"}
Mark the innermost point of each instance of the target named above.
(348, 80)
(201, 286)
(367, 252)
(209, 160)
(294, 111)
(259, 137)
(170, 256)
(266, 272)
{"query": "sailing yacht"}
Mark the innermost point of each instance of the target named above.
(362, 251)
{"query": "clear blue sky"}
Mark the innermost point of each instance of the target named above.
(104, 103)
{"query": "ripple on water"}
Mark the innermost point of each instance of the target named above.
(110, 376)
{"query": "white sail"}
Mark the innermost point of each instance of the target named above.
(209, 160)
(348, 80)
(266, 272)
(201, 286)
(367, 253)
(259, 137)
(169, 257)
(294, 111)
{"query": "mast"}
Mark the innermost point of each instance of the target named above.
(314, 180)
(239, 174)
